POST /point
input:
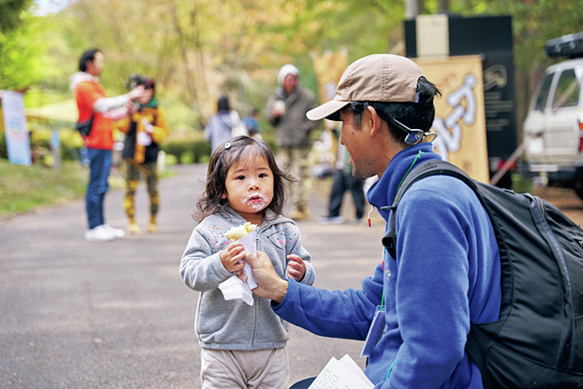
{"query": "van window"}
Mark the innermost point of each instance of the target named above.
(541, 100)
(567, 91)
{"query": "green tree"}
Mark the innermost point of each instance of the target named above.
(11, 12)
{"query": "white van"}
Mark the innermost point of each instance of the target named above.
(554, 125)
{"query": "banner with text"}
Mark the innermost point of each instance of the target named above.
(460, 119)
(17, 139)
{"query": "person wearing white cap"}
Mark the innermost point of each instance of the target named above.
(443, 274)
(286, 110)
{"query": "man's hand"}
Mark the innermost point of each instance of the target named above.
(149, 128)
(269, 284)
(278, 108)
(137, 93)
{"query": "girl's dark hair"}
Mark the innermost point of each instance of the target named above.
(88, 55)
(234, 150)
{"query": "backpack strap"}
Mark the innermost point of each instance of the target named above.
(425, 169)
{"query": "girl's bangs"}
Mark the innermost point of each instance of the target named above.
(247, 154)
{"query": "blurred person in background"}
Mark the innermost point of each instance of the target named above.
(252, 124)
(98, 110)
(224, 125)
(343, 181)
(145, 128)
(286, 110)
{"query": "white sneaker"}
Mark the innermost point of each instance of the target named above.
(99, 234)
(116, 231)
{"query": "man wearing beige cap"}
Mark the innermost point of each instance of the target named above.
(445, 273)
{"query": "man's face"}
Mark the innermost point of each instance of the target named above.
(96, 66)
(356, 141)
(289, 83)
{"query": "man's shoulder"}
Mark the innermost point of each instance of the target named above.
(89, 86)
(441, 191)
(278, 94)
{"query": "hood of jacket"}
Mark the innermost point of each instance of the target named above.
(80, 77)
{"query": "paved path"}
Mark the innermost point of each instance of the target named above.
(77, 314)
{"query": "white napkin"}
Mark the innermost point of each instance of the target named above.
(144, 139)
(234, 288)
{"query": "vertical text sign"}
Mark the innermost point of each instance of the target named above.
(17, 141)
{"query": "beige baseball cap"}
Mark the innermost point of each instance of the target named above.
(378, 77)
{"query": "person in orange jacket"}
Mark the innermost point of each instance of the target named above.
(94, 105)
(145, 128)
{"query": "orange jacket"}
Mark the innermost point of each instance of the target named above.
(101, 137)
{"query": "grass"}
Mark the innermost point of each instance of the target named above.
(23, 188)
(26, 188)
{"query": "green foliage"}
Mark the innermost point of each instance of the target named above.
(23, 188)
(11, 12)
(533, 23)
(187, 148)
(3, 148)
(71, 143)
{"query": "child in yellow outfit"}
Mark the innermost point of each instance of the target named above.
(145, 127)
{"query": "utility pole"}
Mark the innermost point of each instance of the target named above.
(413, 8)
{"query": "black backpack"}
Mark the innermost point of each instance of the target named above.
(538, 340)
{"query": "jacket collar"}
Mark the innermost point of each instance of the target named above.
(270, 218)
(80, 77)
(382, 193)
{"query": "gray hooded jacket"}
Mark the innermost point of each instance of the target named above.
(293, 127)
(234, 325)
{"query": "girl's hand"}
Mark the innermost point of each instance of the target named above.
(233, 257)
(296, 268)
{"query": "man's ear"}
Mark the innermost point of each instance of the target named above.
(375, 120)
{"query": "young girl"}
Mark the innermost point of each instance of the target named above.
(242, 345)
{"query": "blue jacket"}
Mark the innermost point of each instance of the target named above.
(446, 276)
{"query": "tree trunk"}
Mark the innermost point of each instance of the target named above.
(442, 6)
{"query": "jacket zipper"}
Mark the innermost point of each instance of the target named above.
(256, 301)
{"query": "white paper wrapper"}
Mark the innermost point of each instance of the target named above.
(249, 243)
(234, 288)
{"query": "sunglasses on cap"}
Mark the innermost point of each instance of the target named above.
(414, 136)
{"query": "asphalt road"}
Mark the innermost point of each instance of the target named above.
(77, 314)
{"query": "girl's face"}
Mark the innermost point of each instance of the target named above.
(249, 187)
(145, 99)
